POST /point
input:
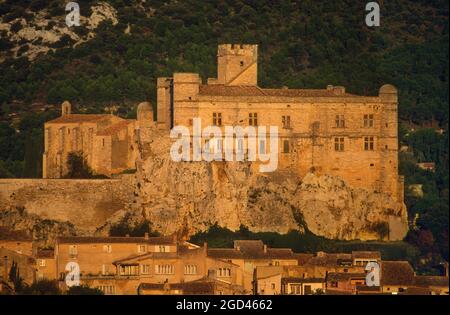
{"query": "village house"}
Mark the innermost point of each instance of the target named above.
(248, 255)
(45, 264)
(18, 241)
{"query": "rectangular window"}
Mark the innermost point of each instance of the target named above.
(224, 272)
(164, 269)
(295, 289)
(129, 270)
(107, 248)
(190, 269)
(368, 120)
(107, 289)
(286, 121)
(217, 119)
(145, 269)
(286, 146)
(42, 262)
(368, 143)
(163, 249)
(73, 250)
(339, 144)
(253, 119)
(142, 248)
(340, 121)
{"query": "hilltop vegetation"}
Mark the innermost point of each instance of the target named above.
(304, 43)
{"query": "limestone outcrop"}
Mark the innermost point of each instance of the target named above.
(192, 196)
(187, 197)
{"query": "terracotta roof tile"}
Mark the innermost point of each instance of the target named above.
(243, 90)
(366, 255)
(163, 240)
(396, 273)
(14, 235)
(287, 280)
(344, 276)
(79, 118)
(431, 281)
(45, 253)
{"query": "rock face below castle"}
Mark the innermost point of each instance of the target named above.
(191, 196)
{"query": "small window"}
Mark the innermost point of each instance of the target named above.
(217, 119)
(142, 248)
(42, 262)
(242, 63)
(272, 286)
(369, 143)
(340, 121)
(73, 250)
(368, 120)
(145, 269)
(286, 121)
(339, 144)
(107, 248)
(253, 119)
(190, 269)
(103, 142)
(286, 146)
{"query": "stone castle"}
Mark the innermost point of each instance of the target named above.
(324, 131)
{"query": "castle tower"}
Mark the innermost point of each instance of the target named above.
(237, 65)
(66, 108)
(388, 145)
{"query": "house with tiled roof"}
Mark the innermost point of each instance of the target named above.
(108, 143)
(396, 276)
(20, 241)
(249, 254)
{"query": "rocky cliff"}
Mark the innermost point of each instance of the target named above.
(192, 196)
(188, 197)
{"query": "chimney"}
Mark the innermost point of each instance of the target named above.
(205, 248)
(146, 235)
(265, 249)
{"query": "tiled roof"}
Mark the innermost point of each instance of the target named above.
(201, 286)
(160, 240)
(271, 253)
(243, 90)
(113, 129)
(136, 258)
(366, 255)
(416, 291)
(326, 259)
(344, 276)
(7, 234)
(396, 273)
(78, 118)
(303, 258)
(45, 253)
(426, 281)
(365, 288)
(288, 280)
